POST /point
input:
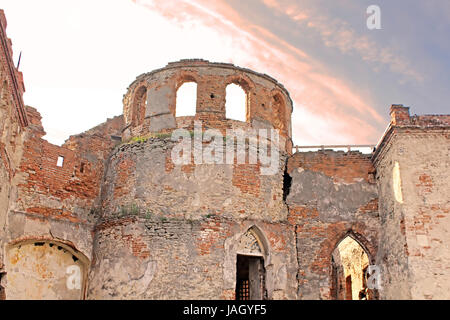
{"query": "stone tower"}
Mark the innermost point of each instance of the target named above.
(196, 230)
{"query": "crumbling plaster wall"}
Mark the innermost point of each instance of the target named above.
(332, 195)
(12, 123)
(153, 258)
(268, 102)
(141, 176)
(68, 192)
(181, 225)
(414, 252)
(45, 270)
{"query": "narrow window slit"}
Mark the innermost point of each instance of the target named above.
(60, 161)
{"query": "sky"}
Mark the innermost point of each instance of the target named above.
(79, 57)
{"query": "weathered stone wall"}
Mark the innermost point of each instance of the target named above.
(12, 123)
(188, 219)
(139, 226)
(332, 195)
(413, 174)
(40, 201)
(141, 176)
(181, 224)
(155, 258)
(66, 192)
(392, 253)
(44, 270)
(57, 204)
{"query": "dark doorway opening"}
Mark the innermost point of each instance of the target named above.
(2, 290)
(348, 288)
(250, 278)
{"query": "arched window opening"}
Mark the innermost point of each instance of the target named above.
(139, 106)
(278, 110)
(349, 265)
(186, 99)
(236, 103)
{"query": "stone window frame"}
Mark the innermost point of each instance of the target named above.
(247, 86)
(182, 79)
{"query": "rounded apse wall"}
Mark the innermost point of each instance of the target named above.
(150, 102)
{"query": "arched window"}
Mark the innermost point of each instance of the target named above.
(139, 106)
(278, 110)
(186, 99)
(236, 103)
(349, 265)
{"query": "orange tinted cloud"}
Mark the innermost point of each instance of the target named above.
(335, 32)
(327, 110)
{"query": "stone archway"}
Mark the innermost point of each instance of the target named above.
(45, 270)
(250, 267)
(349, 263)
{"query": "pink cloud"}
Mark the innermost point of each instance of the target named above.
(335, 32)
(327, 111)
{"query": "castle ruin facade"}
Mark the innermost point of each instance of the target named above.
(111, 215)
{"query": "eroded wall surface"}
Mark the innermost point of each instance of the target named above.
(413, 175)
(12, 123)
(173, 231)
(69, 191)
(44, 270)
(332, 194)
(56, 203)
(140, 226)
(39, 200)
(139, 258)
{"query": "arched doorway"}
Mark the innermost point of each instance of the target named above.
(350, 262)
(250, 270)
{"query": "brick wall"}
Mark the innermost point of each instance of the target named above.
(70, 191)
(268, 102)
(154, 258)
(412, 173)
(415, 217)
(332, 195)
(12, 125)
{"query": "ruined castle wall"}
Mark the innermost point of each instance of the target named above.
(57, 205)
(153, 258)
(412, 171)
(143, 175)
(332, 195)
(12, 124)
(393, 250)
(181, 225)
(67, 191)
(150, 103)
